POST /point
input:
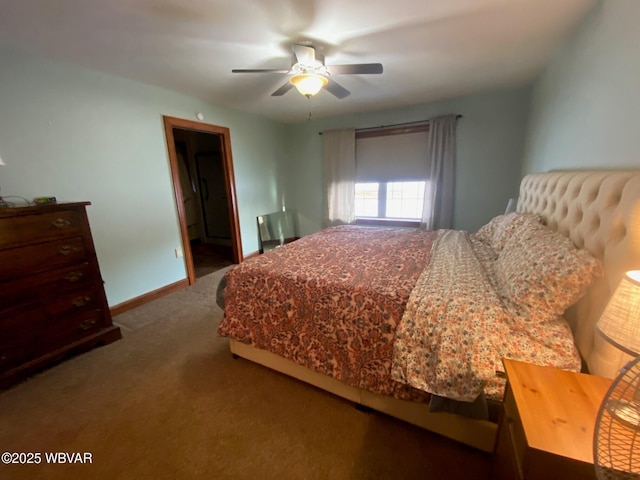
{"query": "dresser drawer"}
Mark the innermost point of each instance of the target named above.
(43, 285)
(72, 315)
(20, 262)
(68, 329)
(516, 433)
(17, 342)
(34, 330)
(72, 302)
(39, 227)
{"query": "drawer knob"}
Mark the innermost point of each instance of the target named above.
(73, 276)
(67, 249)
(87, 324)
(80, 301)
(61, 223)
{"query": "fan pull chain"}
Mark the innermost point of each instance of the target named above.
(309, 100)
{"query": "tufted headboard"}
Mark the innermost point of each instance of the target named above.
(599, 211)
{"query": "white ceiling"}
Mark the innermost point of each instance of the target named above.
(430, 49)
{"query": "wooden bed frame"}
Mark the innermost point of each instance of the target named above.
(598, 211)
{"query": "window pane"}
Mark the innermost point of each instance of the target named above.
(405, 199)
(366, 200)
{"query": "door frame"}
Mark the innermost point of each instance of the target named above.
(230, 185)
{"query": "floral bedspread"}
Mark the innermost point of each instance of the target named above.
(393, 311)
(331, 301)
(456, 329)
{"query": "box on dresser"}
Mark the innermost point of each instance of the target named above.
(52, 300)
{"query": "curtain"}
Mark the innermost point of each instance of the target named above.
(339, 176)
(437, 211)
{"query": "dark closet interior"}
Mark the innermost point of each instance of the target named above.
(202, 181)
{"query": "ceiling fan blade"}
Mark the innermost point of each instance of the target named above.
(282, 90)
(355, 69)
(304, 54)
(336, 89)
(260, 70)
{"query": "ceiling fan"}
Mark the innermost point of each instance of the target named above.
(309, 74)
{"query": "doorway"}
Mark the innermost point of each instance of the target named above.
(204, 186)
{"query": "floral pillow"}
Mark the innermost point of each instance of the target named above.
(541, 273)
(501, 228)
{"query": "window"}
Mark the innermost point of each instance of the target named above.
(391, 173)
(390, 200)
(367, 199)
(405, 199)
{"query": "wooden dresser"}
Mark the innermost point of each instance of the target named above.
(52, 301)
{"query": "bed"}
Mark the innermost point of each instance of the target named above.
(380, 317)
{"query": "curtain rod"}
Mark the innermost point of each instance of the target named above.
(417, 122)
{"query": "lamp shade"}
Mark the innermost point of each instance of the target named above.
(308, 84)
(619, 324)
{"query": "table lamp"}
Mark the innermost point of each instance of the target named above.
(619, 323)
(617, 430)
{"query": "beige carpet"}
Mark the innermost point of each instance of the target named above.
(169, 402)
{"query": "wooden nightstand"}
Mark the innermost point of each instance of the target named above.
(547, 422)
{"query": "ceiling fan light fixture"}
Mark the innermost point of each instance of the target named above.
(308, 84)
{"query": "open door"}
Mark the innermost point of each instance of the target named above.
(228, 187)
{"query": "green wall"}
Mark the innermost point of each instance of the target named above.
(490, 139)
(80, 134)
(83, 135)
(585, 106)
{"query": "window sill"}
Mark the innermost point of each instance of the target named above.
(387, 222)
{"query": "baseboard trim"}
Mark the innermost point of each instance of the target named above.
(148, 297)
